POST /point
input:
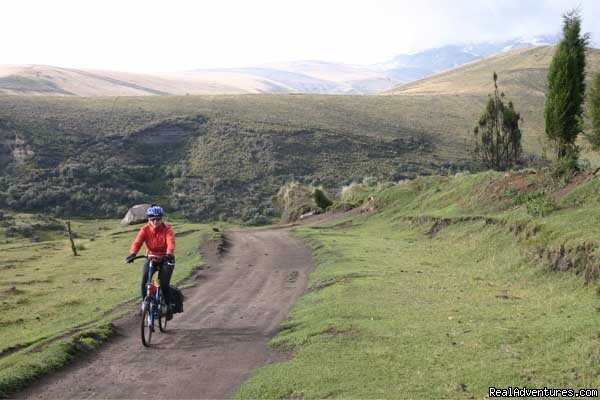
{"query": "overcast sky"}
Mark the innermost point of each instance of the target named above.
(152, 35)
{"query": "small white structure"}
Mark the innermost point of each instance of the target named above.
(136, 214)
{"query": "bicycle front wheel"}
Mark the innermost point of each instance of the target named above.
(146, 326)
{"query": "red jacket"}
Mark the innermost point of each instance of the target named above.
(159, 241)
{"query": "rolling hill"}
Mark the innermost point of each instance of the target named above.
(53, 81)
(309, 76)
(458, 95)
(214, 157)
(319, 78)
(209, 157)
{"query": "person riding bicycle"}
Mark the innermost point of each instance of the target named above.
(160, 241)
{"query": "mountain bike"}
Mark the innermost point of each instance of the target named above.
(154, 305)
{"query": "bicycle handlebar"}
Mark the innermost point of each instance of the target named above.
(148, 256)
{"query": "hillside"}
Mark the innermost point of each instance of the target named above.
(305, 77)
(208, 157)
(521, 72)
(462, 91)
(226, 156)
(44, 80)
(452, 286)
(308, 76)
(410, 67)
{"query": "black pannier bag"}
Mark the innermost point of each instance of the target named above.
(176, 300)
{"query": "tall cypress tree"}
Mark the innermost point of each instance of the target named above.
(566, 86)
(593, 104)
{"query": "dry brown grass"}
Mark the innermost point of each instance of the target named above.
(46, 80)
(452, 101)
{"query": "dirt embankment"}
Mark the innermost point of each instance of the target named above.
(231, 313)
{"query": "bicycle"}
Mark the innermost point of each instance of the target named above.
(154, 306)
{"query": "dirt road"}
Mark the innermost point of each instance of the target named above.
(215, 345)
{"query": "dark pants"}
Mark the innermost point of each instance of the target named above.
(164, 275)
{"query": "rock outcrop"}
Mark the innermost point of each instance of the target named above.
(136, 214)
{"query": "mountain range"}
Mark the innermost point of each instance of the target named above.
(308, 76)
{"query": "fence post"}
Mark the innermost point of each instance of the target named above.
(71, 238)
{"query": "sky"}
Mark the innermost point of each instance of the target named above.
(178, 35)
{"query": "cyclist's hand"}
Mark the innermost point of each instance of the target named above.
(129, 258)
(170, 258)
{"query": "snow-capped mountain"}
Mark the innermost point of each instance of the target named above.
(406, 68)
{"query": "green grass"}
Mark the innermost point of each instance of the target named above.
(47, 294)
(394, 311)
(23, 368)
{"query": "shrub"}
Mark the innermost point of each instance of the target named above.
(293, 199)
(257, 220)
(563, 169)
(540, 205)
(497, 135)
(20, 231)
(355, 194)
(321, 199)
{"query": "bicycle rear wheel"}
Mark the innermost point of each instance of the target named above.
(146, 326)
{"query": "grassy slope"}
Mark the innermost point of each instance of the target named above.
(521, 76)
(98, 155)
(46, 293)
(111, 151)
(394, 311)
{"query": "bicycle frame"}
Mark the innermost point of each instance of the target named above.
(153, 294)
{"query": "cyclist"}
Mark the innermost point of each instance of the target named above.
(160, 241)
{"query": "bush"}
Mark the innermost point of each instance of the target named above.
(355, 194)
(540, 205)
(257, 220)
(563, 169)
(520, 198)
(294, 199)
(321, 199)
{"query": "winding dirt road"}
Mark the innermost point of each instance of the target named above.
(231, 313)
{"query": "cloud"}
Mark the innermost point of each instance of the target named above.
(155, 35)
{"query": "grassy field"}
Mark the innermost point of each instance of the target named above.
(55, 304)
(444, 293)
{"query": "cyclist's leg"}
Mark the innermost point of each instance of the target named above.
(145, 268)
(165, 279)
